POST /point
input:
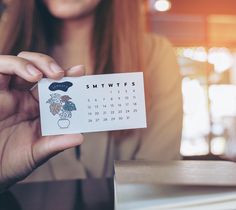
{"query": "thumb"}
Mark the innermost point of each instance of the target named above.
(47, 147)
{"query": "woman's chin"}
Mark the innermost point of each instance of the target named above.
(71, 9)
(71, 16)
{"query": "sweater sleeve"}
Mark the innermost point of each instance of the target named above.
(162, 137)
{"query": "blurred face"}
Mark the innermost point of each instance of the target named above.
(67, 9)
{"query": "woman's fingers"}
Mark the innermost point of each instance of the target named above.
(31, 67)
(12, 65)
(75, 71)
(28, 66)
(46, 64)
(49, 146)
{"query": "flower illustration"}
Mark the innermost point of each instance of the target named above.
(63, 107)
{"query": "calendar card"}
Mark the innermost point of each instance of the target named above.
(92, 103)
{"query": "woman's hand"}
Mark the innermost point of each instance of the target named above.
(22, 148)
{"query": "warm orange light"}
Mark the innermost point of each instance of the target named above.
(162, 5)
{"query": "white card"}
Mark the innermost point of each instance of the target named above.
(92, 103)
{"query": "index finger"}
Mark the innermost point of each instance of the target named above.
(12, 65)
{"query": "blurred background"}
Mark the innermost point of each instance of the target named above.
(203, 33)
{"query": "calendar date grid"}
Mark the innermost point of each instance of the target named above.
(118, 105)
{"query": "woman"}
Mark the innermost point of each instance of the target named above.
(50, 38)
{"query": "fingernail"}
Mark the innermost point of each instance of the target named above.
(55, 68)
(33, 71)
(77, 68)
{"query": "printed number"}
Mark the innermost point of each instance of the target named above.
(90, 120)
(126, 111)
(105, 119)
(113, 118)
(96, 113)
(119, 105)
(96, 106)
(135, 110)
(104, 106)
(119, 111)
(126, 97)
(112, 105)
(89, 113)
(135, 103)
(97, 119)
(104, 112)
(120, 118)
(112, 112)
(89, 107)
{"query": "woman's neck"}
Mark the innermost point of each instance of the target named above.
(74, 46)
